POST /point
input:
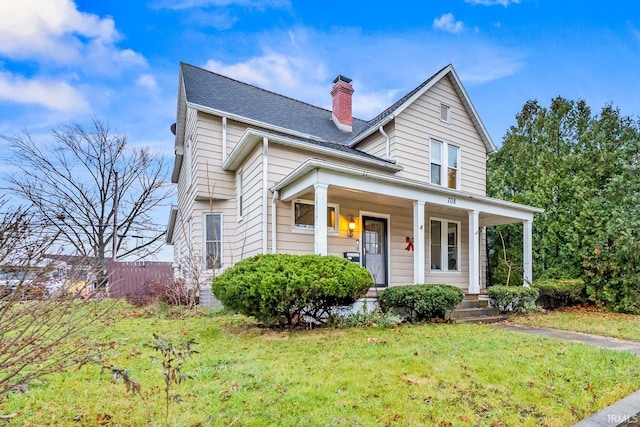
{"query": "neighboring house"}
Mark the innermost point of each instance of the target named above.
(403, 193)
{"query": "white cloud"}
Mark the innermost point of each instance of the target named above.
(504, 3)
(274, 70)
(147, 81)
(189, 4)
(447, 22)
(220, 20)
(53, 95)
(56, 31)
(292, 63)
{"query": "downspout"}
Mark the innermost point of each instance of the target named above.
(274, 222)
(224, 138)
(265, 191)
(388, 143)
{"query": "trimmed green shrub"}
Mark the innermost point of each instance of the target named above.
(516, 299)
(415, 303)
(284, 289)
(555, 293)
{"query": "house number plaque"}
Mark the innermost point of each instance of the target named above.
(451, 200)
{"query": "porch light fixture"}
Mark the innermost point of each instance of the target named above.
(352, 226)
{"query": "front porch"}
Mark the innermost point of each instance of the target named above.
(404, 231)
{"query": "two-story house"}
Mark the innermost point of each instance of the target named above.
(403, 193)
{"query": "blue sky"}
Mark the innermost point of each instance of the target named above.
(118, 60)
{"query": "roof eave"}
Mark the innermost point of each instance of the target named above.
(313, 164)
(173, 214)
(251, 122)
(251, 137)
(466, 101)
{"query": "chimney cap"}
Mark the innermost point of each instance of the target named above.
(342, 78)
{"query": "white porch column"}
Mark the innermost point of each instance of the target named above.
(474, 252)
(527, 252)
(320, 219)
(418, 242)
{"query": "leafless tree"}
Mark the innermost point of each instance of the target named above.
(84, 178)
(43, 323)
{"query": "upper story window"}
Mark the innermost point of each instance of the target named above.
(453, 157)
(213, 240)
(445, 113)
(304, 215)
(442, 154)
(436, 162)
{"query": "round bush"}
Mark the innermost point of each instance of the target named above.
(286, 289)
(415, 303)
(555, 293)
(517, 299)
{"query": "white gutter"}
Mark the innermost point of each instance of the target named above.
(224, 138)
(173, 214)
(381, 129)
(245, 146)
(372, 130)
(265, 189)
(274, 222)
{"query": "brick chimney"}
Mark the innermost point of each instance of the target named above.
(341, 94)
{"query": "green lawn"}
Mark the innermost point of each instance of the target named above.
(588, 320)
(433, 374)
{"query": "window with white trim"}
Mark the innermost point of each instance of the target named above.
(441, 154)
(303, 214)
(213, 240)
(453, 158)
(445, 245)
(436, 161)
(445, 113)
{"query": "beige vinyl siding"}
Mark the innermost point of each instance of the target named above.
(208, 175)
(249, 230)
(458, 278)
(421, 121)
(400, 225)
(376, 144)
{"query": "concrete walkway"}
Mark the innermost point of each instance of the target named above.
(579, 337)
(625, 412)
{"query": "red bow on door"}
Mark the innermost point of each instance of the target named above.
(409, 244)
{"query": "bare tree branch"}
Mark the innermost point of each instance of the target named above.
(70, 183)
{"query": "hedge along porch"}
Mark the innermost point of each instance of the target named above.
(380, 204)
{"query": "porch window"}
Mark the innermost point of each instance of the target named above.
(213, 240)
(441, 154)
(445, 245)
(304, 215)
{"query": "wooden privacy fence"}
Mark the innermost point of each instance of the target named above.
(126, 278)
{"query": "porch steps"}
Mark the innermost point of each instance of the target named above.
(474, 310)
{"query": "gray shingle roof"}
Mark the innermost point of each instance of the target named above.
(221, 93)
